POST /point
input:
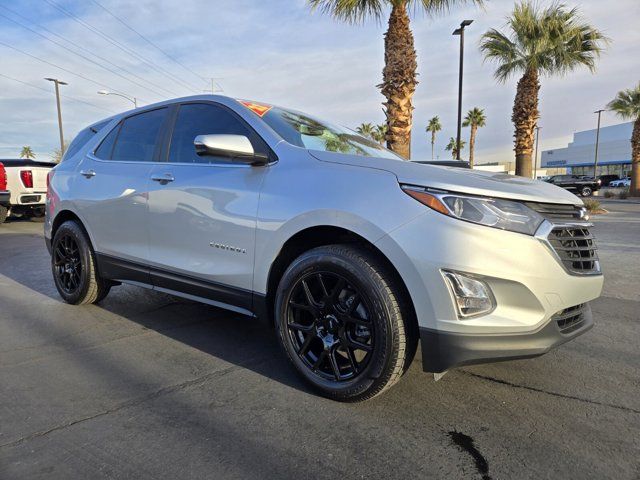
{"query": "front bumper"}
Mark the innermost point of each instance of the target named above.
(444, 350)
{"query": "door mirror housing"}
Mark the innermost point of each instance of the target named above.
(237, 147)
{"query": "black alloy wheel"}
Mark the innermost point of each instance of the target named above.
(67, 264)
(329, 325)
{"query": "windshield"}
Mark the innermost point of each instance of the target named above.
(301, 130)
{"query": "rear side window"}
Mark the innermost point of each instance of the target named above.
(203, 119)
(135, 139)
(81, 140)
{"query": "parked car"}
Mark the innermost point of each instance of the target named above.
(445, 163)
(581, 185)
(27, 182)
(5, 195)
(607, 179)
(352, 253)
(623, 182)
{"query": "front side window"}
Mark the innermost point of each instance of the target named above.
(137, 137)
(304, 131)
(205, 119)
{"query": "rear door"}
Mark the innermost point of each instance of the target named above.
(202, 210)
(112, 189)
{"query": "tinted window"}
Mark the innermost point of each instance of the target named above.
(81, 139)
(106, 147)
(137, 138)
(204, 119)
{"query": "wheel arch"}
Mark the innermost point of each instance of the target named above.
(317, 236)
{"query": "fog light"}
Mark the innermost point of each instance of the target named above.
(472, 297)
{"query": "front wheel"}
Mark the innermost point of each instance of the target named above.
(340, 321)
(586, 191)
(74, 267)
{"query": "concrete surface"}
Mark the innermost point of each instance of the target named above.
(148, 386)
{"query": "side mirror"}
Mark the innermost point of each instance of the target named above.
(237, 147)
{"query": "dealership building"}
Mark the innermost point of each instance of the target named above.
(614, 152)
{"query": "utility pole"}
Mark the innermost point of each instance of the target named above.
(595, 161)
(460, 31)
(57, 83)
(535, 160)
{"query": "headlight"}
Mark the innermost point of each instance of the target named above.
(492, 212)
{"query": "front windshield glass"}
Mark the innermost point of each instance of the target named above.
(304, 131)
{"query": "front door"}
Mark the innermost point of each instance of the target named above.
(202, 211)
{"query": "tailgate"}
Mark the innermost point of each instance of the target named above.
(39, 178)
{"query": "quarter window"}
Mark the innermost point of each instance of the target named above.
(106, 147)
(205, 119)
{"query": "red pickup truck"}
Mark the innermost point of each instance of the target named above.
(5, 195)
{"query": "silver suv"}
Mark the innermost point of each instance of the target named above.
(354, 255)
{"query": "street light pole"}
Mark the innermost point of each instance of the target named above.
(134, 100)
(57, 83)
(535, 161)
(460, 31)
(595, 161)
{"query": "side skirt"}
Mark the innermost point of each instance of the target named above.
(219, 295)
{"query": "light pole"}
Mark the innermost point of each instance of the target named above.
(595, 161)
(133, 100)
(59, 82)
(535, 161)
(460, 31)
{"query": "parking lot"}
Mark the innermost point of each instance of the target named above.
(152, 386)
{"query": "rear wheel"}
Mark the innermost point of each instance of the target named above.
(4, 213)
(339, 319)
(74, 267)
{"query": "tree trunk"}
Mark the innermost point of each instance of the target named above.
(472, 144)
(433, 142)
(525, 117)
(634, 191)
(399, 79)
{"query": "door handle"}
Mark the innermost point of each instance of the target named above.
(163, 179)
(88, 173)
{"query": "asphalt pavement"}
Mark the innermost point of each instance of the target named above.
(150, 386)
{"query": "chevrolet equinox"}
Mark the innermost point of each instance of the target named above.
(354, 255)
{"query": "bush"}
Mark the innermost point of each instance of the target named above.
(592, 204)
(609, 194)
(624, 193)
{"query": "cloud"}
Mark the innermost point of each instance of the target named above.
(280, 52)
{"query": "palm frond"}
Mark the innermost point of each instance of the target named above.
(351, 11)
(627, 103)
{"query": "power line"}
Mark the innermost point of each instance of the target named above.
(161, 95)
(154, 45)
(119, 45)
(79, 75)
(73, 99)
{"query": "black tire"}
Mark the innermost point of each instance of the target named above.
(73, 266)
(586, 191)
(4, 213)
(361, 307)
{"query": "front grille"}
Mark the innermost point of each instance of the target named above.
(575, 248)
(570, 319)
(556, 212)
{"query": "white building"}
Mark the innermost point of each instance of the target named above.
(614, 152)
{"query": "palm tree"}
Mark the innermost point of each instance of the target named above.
(433, 126)
(366, 130)
(453, 147)
(550, 41)
(627, 106)
(399, 73)
(380, 133)
(475, 118)
(27, 153)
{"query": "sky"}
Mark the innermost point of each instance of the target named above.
(280, 52)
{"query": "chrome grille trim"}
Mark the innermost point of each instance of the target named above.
(570, 319)
(573, 246)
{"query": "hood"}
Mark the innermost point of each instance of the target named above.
(472, 182)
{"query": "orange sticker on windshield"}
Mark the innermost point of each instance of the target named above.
(256, 108)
